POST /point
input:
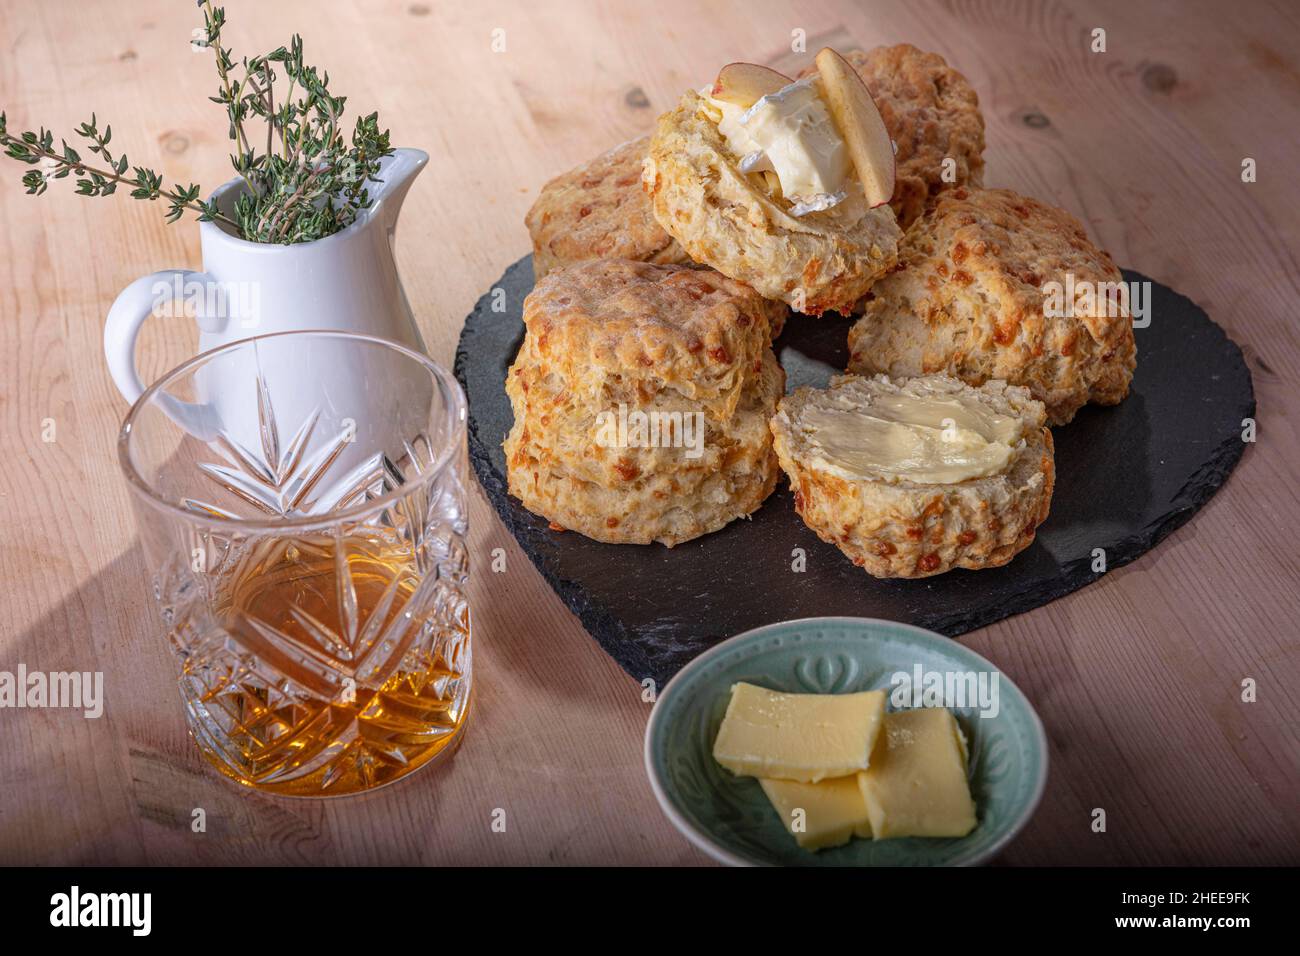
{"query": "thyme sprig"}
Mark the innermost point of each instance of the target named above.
(38, 147)
(311, 185)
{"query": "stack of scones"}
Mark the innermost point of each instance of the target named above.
(648, 403)
(642, 394)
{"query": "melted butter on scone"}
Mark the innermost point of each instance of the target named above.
(931, 441)
(791, 133)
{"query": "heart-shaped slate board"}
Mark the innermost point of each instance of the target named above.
(1126, 476)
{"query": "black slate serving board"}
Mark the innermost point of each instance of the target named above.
(1125, 478)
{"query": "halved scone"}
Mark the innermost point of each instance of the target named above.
(639, 496)
(559, 425)
(915, 477)
(613, 330)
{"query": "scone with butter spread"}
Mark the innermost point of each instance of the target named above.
(994, 285)
(641, 396)
(599, 211)
(775, 183)
(916, 477)
(932, 114)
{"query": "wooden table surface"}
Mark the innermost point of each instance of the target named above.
(1137, 678)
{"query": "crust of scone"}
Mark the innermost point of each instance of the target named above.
(562, 425)
(599, 211)
(932, 114)
(966, 298)
(640, 328)
(905, 529)
(822, 261)
(643, 495)
(651, 513)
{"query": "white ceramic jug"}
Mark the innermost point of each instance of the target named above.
(347, 281)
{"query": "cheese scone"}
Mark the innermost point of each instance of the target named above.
(932, 114)
(558, 426)
(916, 477)
(599, 211)
(972, 296)
(745, 225)
(641, 395)
(622, 499)
(616, 330)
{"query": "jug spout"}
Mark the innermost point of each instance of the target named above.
(397, 171)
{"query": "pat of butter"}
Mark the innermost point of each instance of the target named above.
(819, 815)
(925, 440)
(806, 737)
(916, 784)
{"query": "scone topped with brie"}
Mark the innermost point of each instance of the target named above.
(783, 185)
(916, 477)
(973, 296)
(598, 211)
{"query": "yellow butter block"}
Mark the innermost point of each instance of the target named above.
(820, 815)
(806, 737)
(916, 783)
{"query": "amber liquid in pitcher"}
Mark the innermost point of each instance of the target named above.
(336, 665)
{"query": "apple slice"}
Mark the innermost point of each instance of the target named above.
(744, 84)
(854, 112)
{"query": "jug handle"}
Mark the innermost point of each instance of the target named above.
(136, 303)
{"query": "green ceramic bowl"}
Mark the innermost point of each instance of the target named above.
(729, 818)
